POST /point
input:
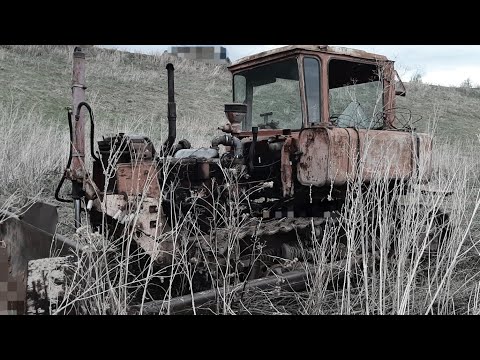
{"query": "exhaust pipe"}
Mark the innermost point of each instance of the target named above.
(172, 110)
(77, 173)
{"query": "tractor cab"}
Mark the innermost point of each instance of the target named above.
(296, 87)
(318, 115)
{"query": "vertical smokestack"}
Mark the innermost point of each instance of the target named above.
(78, 151)
(172, 109)
(78, 94)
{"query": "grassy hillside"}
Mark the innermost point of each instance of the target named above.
(457, 110)
(126, 88)
(123, 88)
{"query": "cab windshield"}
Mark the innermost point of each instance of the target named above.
(272, 93)
(355, 94)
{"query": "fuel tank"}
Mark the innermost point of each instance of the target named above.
(335, 155)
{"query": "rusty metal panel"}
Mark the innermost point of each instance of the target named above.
(343, 151)
(327, 155)
(22, 239)
(334, 155)
(286, 167)
(389, 99)
(134, 179)
(338, 50)
(386, 154)
(41, 215)
(145, 214)
(314, 145)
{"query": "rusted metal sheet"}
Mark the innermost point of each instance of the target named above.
(338, 50)
(389, 93)
(145, 214)
(286, 167)
(24, 242)
(332, 156)
(41, 215)
(22, 239)
(140, 178)
(303, 95)
(314, 146)
(343, 154)
(386, 154)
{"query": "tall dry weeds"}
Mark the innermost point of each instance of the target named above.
(388, 252)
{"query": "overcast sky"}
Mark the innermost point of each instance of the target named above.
(447, 65)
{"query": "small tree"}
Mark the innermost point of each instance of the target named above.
(416, 78)
(466, 84)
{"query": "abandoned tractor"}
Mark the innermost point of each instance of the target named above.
(296, 135)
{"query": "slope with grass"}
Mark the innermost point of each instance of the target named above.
(125, 87)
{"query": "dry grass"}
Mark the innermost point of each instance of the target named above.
(417, 278)
(30, 151)
(389, 261)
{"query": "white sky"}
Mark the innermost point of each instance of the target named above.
(447, 65)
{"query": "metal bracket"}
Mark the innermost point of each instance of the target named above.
(79, 86)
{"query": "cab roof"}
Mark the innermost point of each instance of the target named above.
(337, 50)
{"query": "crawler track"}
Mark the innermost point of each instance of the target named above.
(292, 280)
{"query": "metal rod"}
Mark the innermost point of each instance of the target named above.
(78, 95)
(253, 144)
(77, 208)
(172, 109)
(293, 281)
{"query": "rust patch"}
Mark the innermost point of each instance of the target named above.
(286, 167)
(314, 145)
(78, 94)
(336, 155)
(387, 154)
(134, 179)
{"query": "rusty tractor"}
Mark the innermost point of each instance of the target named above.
(295, 137)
